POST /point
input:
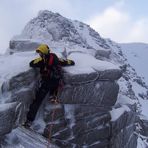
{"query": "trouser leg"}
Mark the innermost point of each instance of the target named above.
(54, 88)
(53, 91)
(39, 96)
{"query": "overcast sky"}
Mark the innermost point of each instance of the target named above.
(120, 20)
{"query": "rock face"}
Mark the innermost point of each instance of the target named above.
(87, 116)
(79, 89)
(144, 126)
(23, 45)
(8, 118)
(54, 30)
(22, 137)
(55, 27)
(83, 118)
(81, 115)
(123, 129)
(80, 125)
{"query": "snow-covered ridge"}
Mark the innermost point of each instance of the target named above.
(14, 64)
(93, 56)
(136, 53)
(133, 58)
(53, 28)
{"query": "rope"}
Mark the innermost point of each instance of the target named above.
(56, 102)
(51, 126)
(92, 80)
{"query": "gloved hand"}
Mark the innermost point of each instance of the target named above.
(70, 62)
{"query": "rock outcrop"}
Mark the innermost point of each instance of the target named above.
(83, 118)
(88, 115)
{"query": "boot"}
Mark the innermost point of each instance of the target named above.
(27, 124)
(54, 99)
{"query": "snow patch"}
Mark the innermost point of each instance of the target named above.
(116, 113)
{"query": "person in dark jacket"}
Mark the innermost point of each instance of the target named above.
(51, 74)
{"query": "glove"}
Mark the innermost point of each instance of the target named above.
(37, 60)
(70, 62)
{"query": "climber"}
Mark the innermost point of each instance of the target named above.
(51, 75)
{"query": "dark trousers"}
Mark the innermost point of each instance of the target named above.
(41, 92)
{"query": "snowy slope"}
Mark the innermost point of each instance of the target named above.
(56, 30)
(12, 65)
(137, 55)
(134, 83)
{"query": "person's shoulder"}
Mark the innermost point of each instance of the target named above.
(54, 55)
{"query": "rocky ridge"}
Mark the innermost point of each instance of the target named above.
(91, 113)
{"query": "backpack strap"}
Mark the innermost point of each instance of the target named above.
(50, 60)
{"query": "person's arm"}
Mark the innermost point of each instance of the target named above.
(67, 62)
(36, 62)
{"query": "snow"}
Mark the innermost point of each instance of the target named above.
(84, 33)
(138, 89)
(144, 104)
(24, 138)
(11, 65)
(86, 63)
(16, 63)
(136, 54)
(69, 114)
(4, 107)
(123, 99)
(141, 143)
(116, 113)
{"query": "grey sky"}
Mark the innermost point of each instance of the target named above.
(120, 20)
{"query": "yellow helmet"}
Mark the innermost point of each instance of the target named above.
(43, 48)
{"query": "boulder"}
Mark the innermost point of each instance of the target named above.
(102, 53)
(123, 128)
(144, 125)
(97, 92)
(81, 125)
(23, 45)
(8, 116)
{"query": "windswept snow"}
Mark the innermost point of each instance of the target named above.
(11, 65)
(141, 143)
(144, 104)
(16, 63)
(85, 63)
(116, 113)
(137, 55)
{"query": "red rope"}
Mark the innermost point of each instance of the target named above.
(60, 87)
(51, 126)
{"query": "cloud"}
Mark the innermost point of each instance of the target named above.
(139, 31)
(15, 14)
(118, 25)
(112, 23)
